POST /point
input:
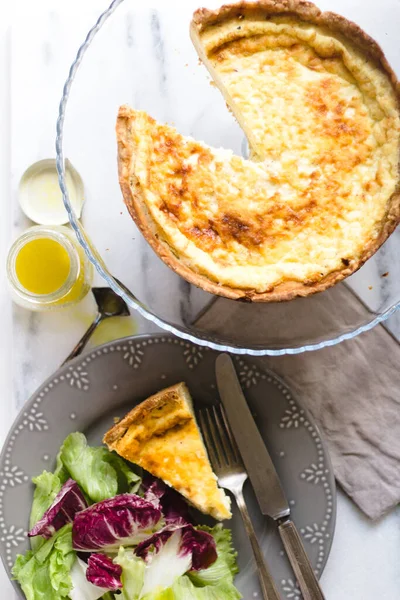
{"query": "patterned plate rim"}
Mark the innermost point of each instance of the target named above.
(291, 418)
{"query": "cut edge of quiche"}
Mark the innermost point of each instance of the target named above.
(135, 202)
(162, 436)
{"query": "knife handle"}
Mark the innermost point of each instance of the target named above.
(300, 562)
(267, 584)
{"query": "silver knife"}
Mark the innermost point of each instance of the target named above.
(262, 474)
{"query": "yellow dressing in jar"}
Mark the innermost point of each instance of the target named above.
(48, 269)
(42, 266)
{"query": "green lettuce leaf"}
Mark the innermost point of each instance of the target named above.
(132, 577)
(20, 562)
(47, 487)
(184, 589)
(225, 567)
(163, 595)
(60, 470)
(128, 480)
(89, 467)
(100, 473)
(45, 574)
(61, 560)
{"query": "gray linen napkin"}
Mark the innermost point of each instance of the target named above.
(352, 390)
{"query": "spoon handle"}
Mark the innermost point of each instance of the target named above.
(84, 339)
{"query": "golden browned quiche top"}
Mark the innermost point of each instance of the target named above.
(161, 435)
(319, 105)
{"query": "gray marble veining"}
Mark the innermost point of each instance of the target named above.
(159, 51)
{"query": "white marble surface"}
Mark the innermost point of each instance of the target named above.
(365, 558)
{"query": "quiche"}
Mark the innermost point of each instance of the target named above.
(161, 435)
(319, 105)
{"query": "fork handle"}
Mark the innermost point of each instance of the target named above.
(299, 560)
(268, 588)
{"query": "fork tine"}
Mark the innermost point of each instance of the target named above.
(222, 434)
(204, 424)
(229, 433)
(215, 437)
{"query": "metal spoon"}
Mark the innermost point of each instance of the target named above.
(109, 304)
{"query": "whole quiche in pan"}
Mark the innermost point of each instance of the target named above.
(319, 105)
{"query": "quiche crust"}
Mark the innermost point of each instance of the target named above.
(341, 194)
(161, 435)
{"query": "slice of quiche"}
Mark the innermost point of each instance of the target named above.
(161, 435)
(320, 107)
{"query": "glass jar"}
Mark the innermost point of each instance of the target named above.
(47, 269)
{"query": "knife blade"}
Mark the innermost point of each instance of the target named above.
(256, 458)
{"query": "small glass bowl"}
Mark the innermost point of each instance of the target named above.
(37, 197)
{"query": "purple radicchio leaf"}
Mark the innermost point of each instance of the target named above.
(101, 571)
(68, 502)
(153, 544)
(202, 546)
(199, 544)
(125, 519)
(154, 489)
(172, 504)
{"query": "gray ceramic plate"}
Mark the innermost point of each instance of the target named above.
(86, 394)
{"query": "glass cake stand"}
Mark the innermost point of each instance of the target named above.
(143, 56)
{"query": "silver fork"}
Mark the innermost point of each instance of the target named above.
(229, 468)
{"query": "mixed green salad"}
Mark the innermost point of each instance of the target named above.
(99, 530)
